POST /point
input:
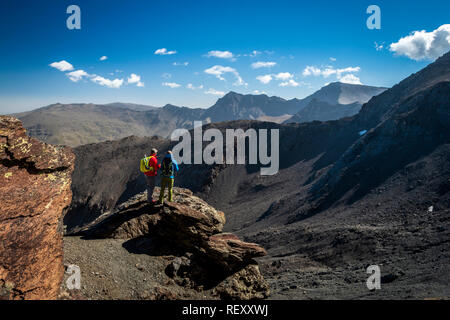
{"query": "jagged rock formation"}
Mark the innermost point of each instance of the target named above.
(35, 181)
(190, 231)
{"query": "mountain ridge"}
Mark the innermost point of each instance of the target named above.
(77, 124)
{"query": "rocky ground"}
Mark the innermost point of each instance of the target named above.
(175, 251)
(110, 271)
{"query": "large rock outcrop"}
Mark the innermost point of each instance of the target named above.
(190, 231)
(35, 181)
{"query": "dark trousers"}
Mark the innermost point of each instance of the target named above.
(151, 182)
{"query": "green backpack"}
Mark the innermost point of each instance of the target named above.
(167, 167)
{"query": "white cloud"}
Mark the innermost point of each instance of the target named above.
(220, 54)
(184, 64)
(333, 59)
(286, 79)
(255, 53)
(379, 47)
(219, 71)
(264, 79)
(328, 71)
(164, 52)
(310, 70)
(261, 64)
(421, 45)
(290, 83)
(77, 75)
(339, 72)
(215, 92)
(103, 58)
(350, 78)
(259, 92)
(116, 83)
(134, 78)
(171, 85)
(283, 76)
(192, 87)
(62, 65)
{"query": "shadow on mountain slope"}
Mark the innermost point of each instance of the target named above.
(419, 126)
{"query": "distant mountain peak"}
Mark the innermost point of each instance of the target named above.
(170, 106)
(233, 93)
(343, 84)
(326, 103)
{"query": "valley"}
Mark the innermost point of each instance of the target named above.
(340, 202)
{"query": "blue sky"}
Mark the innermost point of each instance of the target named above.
(221, 42)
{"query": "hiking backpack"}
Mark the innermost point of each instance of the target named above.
(167, 167)
(145, 164)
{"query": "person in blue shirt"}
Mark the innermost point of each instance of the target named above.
(168, 168)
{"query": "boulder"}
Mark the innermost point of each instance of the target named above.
(245, 284)
(190, 231)
(231, 253)
(192, 219)
(35, 181)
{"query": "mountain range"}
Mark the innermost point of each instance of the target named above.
(371, 189)
(78, 124)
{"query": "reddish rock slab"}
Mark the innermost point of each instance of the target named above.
(35, 190)
(228, 251)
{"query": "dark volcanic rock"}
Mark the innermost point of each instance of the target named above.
(35, 183)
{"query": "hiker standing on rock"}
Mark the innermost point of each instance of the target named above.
(150, 166)
(169, 166)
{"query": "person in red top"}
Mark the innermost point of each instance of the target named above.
(151, 175)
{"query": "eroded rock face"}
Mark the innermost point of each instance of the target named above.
(189, 231)
(35, 181)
